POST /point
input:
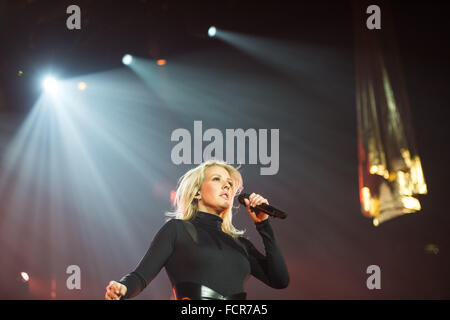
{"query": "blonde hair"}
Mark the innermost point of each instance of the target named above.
(190, 183)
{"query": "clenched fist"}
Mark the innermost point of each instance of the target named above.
(253, 201)
(115, 290)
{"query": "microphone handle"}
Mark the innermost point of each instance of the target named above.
(271, 211)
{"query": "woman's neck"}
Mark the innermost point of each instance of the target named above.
(212, 211)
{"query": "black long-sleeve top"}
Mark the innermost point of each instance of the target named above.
(199, 251)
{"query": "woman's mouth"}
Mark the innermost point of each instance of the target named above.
(225, 196)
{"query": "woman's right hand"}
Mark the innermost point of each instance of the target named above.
(115, 290)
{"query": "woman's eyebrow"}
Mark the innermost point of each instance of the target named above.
(218, 175)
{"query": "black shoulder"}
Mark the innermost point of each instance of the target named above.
(169, 228)
(171, 223)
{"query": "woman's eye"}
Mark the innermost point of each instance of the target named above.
(217, 178)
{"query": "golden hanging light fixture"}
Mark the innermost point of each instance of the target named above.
(389, 167)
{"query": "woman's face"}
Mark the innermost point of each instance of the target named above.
(217, 192)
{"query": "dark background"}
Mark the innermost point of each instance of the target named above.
(327, 243)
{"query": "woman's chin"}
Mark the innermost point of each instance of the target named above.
(224, 205)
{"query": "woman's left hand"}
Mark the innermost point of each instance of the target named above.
(254, 200)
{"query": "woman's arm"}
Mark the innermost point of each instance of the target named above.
(153, 261)
(270, 268)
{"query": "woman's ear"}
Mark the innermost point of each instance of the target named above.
(197, 196)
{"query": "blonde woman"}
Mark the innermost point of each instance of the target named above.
(205, 256)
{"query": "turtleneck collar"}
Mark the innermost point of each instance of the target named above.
(212, 223)
(208, 219)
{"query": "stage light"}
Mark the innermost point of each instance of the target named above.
(82, 86)
(431, 249)
(127, 59)
(161, 62)
(50, 83)
(212, 31)
(25, 277)
(375, 222)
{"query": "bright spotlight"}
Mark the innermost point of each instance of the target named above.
(212, 31)
(127, 59)
(25, 277)
(50, 83)
(82, 86)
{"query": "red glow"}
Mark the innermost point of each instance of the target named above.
(161, 62)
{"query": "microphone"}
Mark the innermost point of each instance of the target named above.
(267, 209)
